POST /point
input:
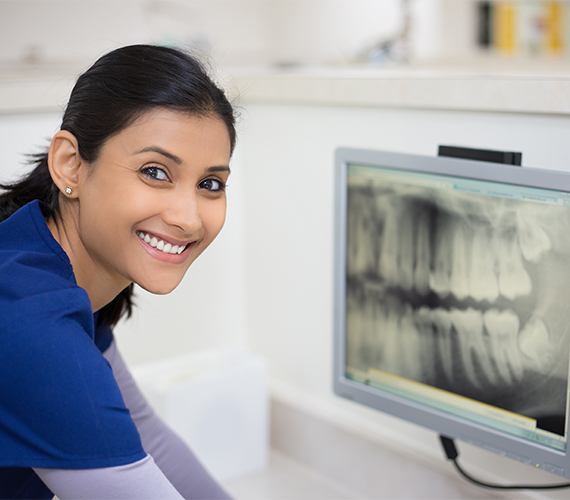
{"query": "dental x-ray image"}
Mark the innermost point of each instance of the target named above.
(461, 291)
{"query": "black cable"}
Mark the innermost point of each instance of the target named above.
(451, 453)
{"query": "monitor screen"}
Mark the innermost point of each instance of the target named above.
(452, 290)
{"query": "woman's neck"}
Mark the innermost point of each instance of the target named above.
(101, 285)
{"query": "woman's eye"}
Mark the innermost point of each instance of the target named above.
(155, 173)
(213, 185)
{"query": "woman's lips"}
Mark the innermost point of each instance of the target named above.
(166, 257)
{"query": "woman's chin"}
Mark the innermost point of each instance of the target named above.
(159, 287)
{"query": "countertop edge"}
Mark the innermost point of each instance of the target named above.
(531, 95)
(510, 95)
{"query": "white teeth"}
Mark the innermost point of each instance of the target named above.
(482, 279)
(411, 354)
(391, 353)
(360, 239)
(406, 252)
(514, 281)
(503, 328)
(373, 338)
(533, 239)
(388, 265)
(534, 342)
(442, 325)
(459, 279)
(441, 265)
(161, 245)
(468, 325)
(424, 326)
(423, 254)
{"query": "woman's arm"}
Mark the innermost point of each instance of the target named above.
(171, 454)
(138, 480)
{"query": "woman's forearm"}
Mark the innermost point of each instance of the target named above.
(171, 454)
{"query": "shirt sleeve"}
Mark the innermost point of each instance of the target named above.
(172, 455)
(139, 480)
(61, 406)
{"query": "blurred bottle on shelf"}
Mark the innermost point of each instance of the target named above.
(504, 27)
(554, 18)
(524, 27)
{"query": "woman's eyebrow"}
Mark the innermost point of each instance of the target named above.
(219, 168)
(163, 152)
(178, 160)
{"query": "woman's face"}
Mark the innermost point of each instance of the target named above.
(161, 178)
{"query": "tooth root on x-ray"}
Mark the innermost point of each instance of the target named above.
(374, 335)
(514, 281)
(502, 328)
(406, 248)
(513, 353)
(361, 249)
(469, 327)
(361, 225)
(389, 248)
(482, 280)
(460, 256)
(442, 325)
(534, 241)
(411, 364)
(392, 341)
(534, 343)
(356, 325)
(441, 264)
(422, 257)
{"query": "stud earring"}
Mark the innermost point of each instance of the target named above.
(68, 190)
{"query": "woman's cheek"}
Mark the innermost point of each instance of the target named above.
(213, 219)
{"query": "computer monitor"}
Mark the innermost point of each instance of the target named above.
(452, 298)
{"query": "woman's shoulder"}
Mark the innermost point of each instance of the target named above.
(33, 290)
(26, 242)
(36, 276)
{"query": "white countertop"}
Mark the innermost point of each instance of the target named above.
(496, 88)
(458, 88)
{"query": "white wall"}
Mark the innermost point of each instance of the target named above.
(322, 31)
(21, 134)
(227, 32)
(53, 31)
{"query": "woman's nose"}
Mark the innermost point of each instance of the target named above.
(185, 214)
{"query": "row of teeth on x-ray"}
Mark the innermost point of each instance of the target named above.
(449, 246)
(447, 252)
(490, 347)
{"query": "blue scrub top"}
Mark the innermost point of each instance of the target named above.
(60, 406)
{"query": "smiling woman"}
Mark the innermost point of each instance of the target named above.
(132, 190)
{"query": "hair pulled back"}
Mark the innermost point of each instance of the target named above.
(116, 90)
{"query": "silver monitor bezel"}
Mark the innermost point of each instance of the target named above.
(535, 454)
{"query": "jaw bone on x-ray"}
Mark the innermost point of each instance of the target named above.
(461, 291)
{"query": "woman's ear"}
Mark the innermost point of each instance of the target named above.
(64, 162)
